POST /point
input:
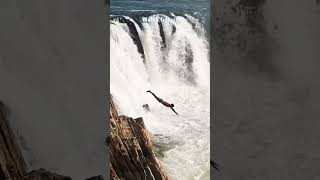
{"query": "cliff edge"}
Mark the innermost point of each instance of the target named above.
(131, 149)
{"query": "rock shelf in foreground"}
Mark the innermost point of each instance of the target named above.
(131, 149)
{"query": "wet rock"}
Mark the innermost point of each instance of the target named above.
(131, 149)
(146, 107)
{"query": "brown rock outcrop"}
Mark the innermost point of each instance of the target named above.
(131, 149)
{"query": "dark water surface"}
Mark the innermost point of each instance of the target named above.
(197, 8)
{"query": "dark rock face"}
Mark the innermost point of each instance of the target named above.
(95, 178)
(131, 149)
(133, 34)
(11, 159)
(43, 174)
(163, 38)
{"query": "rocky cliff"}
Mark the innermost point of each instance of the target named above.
(12, 163)
(131, 149)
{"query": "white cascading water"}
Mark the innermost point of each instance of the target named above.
(166, 73)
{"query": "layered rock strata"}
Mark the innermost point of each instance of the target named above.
(131, 149)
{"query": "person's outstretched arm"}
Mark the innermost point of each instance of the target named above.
(152, 93)
(174, 110)
(160, 100)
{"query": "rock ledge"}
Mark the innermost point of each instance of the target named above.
(131, 149)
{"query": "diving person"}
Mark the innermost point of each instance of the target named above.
(164, 102)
